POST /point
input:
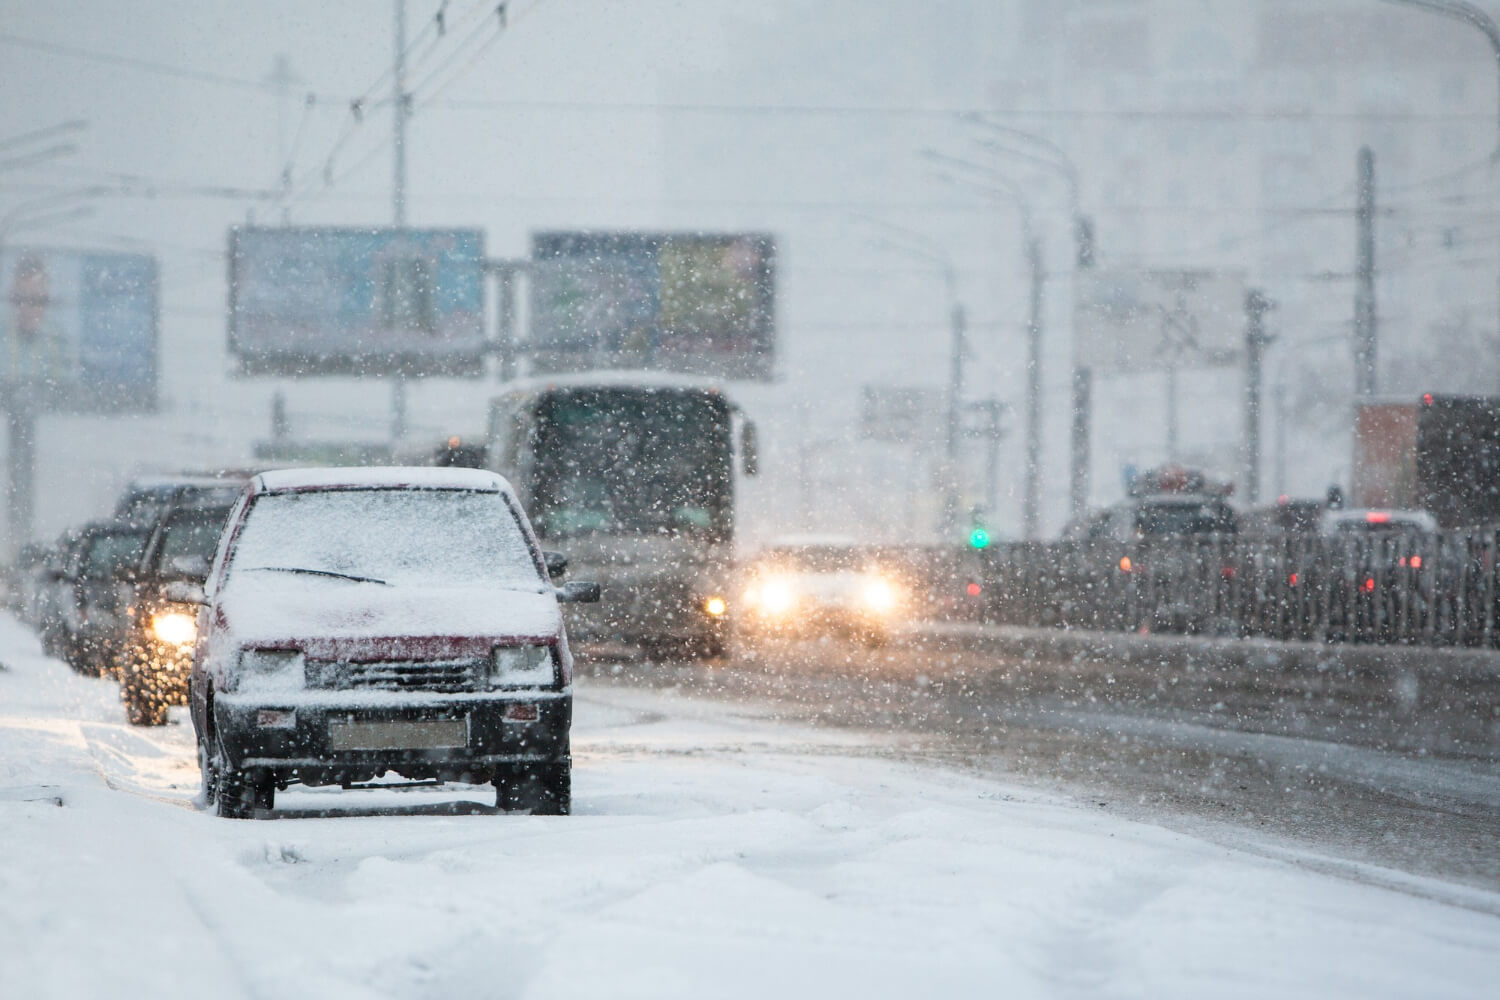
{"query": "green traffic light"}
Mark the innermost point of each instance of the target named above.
(979, 538)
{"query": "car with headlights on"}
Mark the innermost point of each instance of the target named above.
(92, 592)
(358, 622)
(821, 587)
(160, 627)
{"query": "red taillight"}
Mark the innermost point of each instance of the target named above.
(1227, 572)
(1368, 585)
(1416, 562)
(974, 589)
(1291, 581)
(1125, 564)
(1377, 517)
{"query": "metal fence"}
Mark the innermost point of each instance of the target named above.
(1394, 588)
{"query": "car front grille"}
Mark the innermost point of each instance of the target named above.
(398, 675)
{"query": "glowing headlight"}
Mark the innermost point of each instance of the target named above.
(879, 596)
(715, 607)
(777, 596)
(175, 627)
(271, 669)
(521, 666)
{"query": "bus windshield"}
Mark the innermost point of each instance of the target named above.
(633, 461)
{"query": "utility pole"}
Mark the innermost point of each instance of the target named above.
(399, 102)
(1031, 501)
(1256, 340)
(1364, 289)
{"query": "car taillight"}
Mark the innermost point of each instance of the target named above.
(1227, 572)
(1291, 581)
(974, 590)
(1368, 585)
(1125, 564)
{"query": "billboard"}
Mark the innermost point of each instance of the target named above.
(700, 303)
(1138, 321)
(78, 331)
(338, 301)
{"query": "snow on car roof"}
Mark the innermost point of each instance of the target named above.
(376, 477)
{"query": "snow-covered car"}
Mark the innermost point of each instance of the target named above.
(157, 646)
(802, 588)
(357, 622)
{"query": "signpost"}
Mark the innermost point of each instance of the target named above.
(77, 336)
(1131, 322)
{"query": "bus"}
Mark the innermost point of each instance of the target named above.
(632, 477)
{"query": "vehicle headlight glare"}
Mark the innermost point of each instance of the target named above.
(715, 607)
(777, 596)
(177, 628)
(521, 666)
(879, 595)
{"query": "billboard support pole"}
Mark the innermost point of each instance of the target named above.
(1031, 499)
(1078, 482)
(1256, 341)
(20, 455)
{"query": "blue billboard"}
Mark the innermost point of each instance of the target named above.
(78, 331)
(340, 301)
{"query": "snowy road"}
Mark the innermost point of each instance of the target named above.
(715, 851)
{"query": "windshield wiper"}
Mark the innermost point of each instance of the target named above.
(321, 572)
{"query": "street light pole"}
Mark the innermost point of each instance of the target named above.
(1032, 247)
(920, 246)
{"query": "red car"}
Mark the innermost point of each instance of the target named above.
(363, 621)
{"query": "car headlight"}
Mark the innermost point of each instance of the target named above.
(272, 669)
(521, 666)
(878, 595)
(777, 596)
(715, 607)
(176, 628)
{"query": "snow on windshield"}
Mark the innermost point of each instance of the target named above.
(400, 537)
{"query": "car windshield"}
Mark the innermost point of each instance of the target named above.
(396, 536)
(110, 552)
(1184, 519)
(191, 535)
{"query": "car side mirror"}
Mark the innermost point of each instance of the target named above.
(190, 566)
(578, 592)
(749, 449)
(557, 564)
(184, 592)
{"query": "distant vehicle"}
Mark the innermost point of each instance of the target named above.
(146, 498)
(1288, 516)
(1377, 564)
(1439, 454)
(634, 473)
(807, 588)
(358, 621)
(157, 646)
(94, 591)
(1170, 545)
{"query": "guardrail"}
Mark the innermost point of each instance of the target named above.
(1437, 590)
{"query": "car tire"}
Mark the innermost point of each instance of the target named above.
(542, 789)
(239, 794)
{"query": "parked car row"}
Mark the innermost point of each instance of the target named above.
(328, 626)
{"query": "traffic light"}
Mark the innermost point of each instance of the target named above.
(979, 535)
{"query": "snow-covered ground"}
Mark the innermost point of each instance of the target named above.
(714, 852)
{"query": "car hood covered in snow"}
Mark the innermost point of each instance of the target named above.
(314, 613)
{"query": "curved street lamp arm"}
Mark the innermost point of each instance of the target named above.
(1471, 15)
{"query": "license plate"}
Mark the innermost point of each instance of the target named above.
(433, 734)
